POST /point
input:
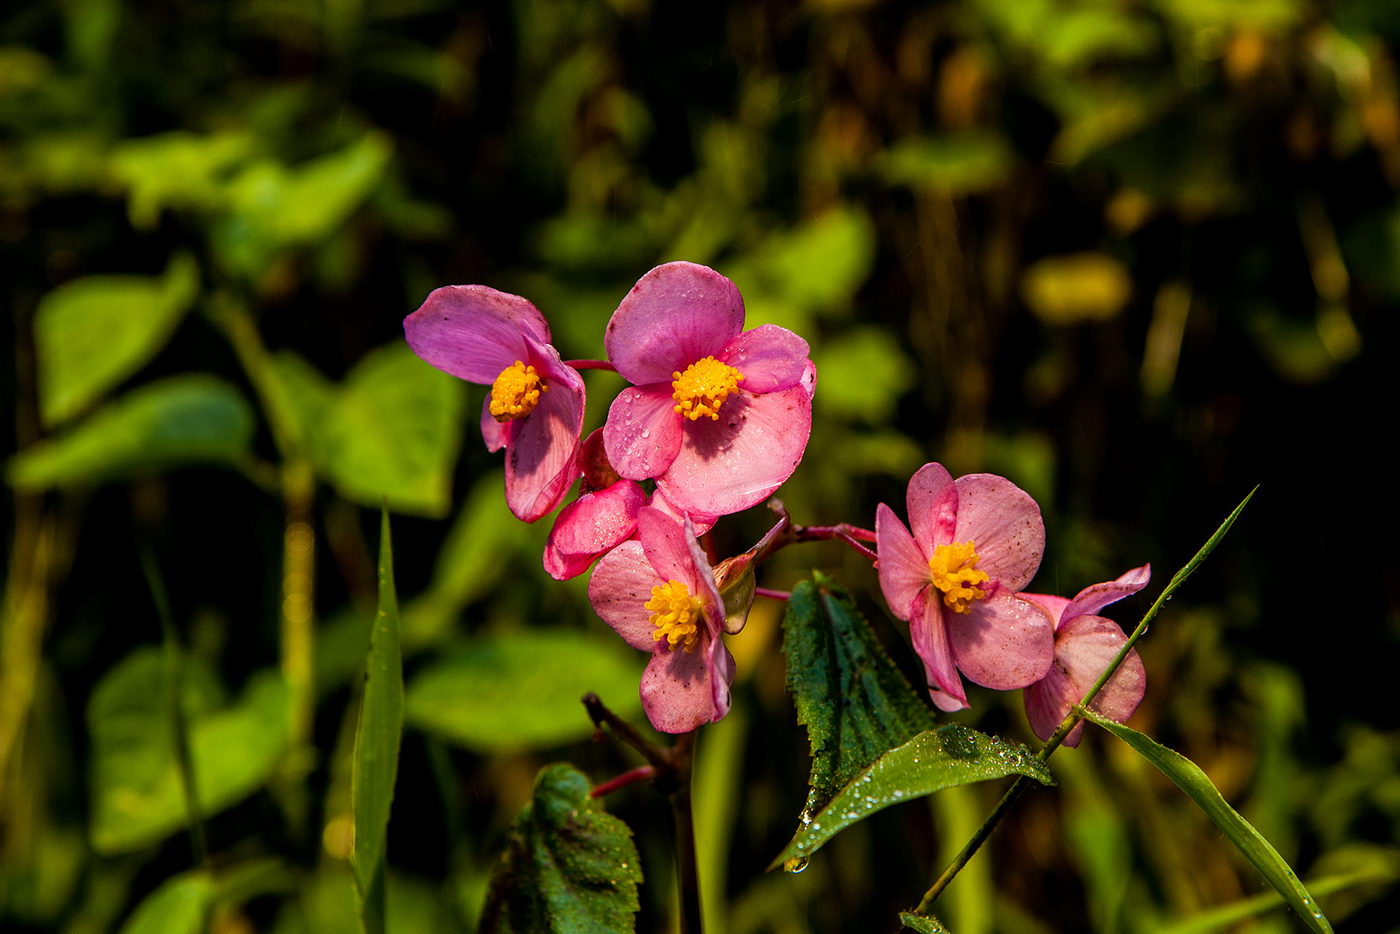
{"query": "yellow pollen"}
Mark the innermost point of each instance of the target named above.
(954, 570)
(516, 392)
(675, 614)
(703, 387)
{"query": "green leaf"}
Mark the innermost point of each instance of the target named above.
(855, 703)
(376, 760)
(570, 866)
(963, 164)
(1198, 787)
(921, 923)
(521, 690)
(863, 373)
(179, 169)
(176, 421)
(932, 761)
(137, 793)
(179, 906)
(394, 433)
(95, 331)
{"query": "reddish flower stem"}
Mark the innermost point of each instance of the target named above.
(591, 365)
(622, 781)
(772, 594)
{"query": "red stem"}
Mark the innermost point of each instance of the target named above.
(590, 365)
(772, 594)
(622, 781)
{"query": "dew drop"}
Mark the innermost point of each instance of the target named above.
(646, 432)
(796, 864)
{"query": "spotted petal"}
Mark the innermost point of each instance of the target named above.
(675, 315)
(1002, 642)
(474, 332)
(1005, 525)
(932, 500)
(619, 590)
(770, 357)
(930, 640)
(590, 526)
(728, 465)
(677, 690)
(904, 570)
(643, 431)
(542, 451)
(1084, 647)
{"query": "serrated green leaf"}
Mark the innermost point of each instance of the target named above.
(521, 690)
(179, 906)
(176, 421)
(376, 759)
(394, 433)
(1188, 776)
(921, 923)
(95, 331)
(570, 866)
(855, 703)
(137, 794)
(932, 761)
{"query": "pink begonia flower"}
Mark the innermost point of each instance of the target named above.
(976, 541)
(719, 416)
(1085, 643)
(535, 407)
(602, 517)
(658, 592)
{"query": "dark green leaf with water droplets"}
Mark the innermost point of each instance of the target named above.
(933, 760)
(921, 923)
(1198, 787)
(855, 703)
(570, 866)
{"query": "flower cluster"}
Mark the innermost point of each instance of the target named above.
(716, 419)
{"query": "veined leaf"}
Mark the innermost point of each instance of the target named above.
(95, 331)
(1198, 787)
(932, 761)
(855, 703)
(176, 421)
(376, 759)
(570, 866)
(137, 794)
(521, 690)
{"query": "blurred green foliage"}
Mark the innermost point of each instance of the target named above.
(1138, 257)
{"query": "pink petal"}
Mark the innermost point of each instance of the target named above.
(591, 525)
(619, 590)
(1055, 606)
(541, 458)
(706, 587)
(665, 542)
(473, 332)
(675, 315)
(593, 462)
(930, 640)
(1005, 525)
(722, 668)
(643, 431)
(1090, 600)
(1002, 642)
(932, 500)
(702, 524)
(770, 357)
(1083, 649)
(495, 434)
(904, 570)
(677, 690)
(728, 465)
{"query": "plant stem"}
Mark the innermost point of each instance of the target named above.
(772, 594)
(1072, 719)
(591, 365)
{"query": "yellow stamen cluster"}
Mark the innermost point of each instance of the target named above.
(954, 570)
(516, 392)
(703, 387)
(675, 614)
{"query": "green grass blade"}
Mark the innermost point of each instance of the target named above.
(1198, 787)
(377, 743)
